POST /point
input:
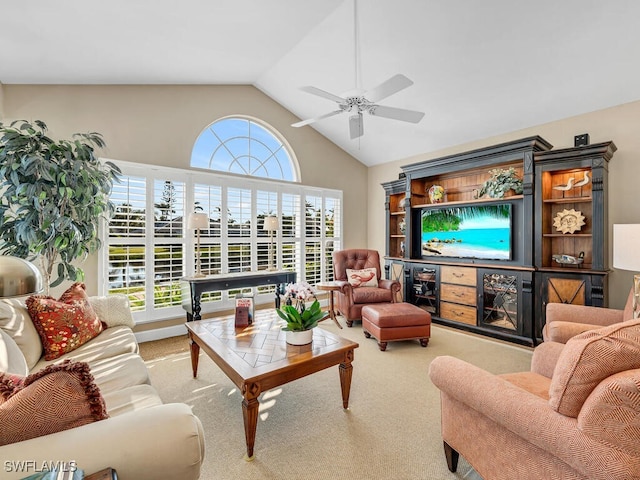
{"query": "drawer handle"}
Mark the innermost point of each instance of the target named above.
(458, 314)
(457, 275)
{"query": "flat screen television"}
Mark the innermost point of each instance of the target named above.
(470, 231)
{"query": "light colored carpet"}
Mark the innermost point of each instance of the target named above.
(391, 430)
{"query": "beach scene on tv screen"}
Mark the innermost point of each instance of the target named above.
(482, 232)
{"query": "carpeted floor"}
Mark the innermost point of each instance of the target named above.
(391, 430)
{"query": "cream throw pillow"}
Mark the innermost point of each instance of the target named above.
(367, 277)
(113, 310)
(16, 321)
(11, 358)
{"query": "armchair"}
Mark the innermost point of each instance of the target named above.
(575, 415)
(564, 320)
(351, 298)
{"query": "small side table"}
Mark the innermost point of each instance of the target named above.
(330, 287)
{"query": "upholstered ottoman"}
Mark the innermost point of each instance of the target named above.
(396, 321)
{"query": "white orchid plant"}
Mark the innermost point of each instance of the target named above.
(298, 316)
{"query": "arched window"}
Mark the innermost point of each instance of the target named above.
(244, 146)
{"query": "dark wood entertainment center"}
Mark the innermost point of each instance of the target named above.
(562, 211)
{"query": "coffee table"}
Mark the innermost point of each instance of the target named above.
(257, 358)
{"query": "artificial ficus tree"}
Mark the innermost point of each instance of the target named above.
(54, 195)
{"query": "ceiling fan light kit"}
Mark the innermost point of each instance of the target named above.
(358, 104)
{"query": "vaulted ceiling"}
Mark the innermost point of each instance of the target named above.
(480, 68)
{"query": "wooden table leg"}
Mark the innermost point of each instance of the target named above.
(332, 310)
(250, 407)
(346, 371)
(195, 355)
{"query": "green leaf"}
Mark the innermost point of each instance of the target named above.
(38, 179)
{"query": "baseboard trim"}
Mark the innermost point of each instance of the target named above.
(160, 333)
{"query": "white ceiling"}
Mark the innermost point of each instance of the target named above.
(481, 68)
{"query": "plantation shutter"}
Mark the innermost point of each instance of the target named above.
(169, 245)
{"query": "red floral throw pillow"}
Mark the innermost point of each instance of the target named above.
(65, 324)
(56, 398)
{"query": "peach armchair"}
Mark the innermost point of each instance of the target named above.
(351, 298)
(564, 320)
(575, 415)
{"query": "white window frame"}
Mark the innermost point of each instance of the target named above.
(192, 177)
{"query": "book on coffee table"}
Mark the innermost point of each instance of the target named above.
(246, 300)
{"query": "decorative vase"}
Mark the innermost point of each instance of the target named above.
(436, 194)
(299, 337)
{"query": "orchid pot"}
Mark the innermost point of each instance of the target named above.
(296, 314)
(302, 337)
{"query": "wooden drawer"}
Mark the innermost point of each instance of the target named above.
(458, 313)
(458, 275)
(458, 294)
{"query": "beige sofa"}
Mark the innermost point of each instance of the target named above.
(142, 438)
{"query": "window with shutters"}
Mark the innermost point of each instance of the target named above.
(149, 249)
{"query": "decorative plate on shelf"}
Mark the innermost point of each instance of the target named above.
(568, 221)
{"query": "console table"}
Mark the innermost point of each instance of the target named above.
(213, 283)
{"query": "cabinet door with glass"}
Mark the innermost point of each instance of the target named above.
(506, 301)
(424, 287)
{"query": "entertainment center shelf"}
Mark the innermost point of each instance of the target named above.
(465, 202)
(490, 265)
(567, 200)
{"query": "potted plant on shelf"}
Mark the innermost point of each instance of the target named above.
(54, 196)
(501, 181)
(300, 319)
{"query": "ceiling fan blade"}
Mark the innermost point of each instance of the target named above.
(356, 126)
(322, 93)
(311, 120)
(389, 87)
(396, 113)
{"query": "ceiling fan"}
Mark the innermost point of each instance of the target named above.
(359, 103)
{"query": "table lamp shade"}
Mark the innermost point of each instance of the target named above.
(198, 221)
(18, 277)
(270, 224)
(626, 240)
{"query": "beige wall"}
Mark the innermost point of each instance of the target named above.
(159, 124)
(619, 124)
